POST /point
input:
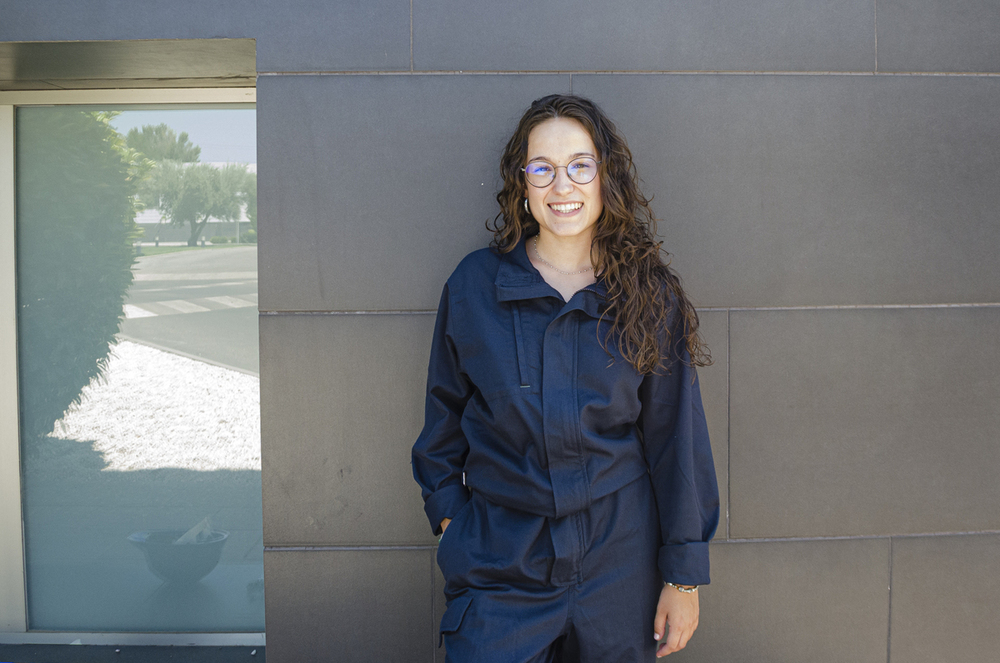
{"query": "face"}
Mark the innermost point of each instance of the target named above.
(563, 208)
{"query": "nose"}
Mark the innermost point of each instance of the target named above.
(562, 182)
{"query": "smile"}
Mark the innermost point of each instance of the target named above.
(566, 207)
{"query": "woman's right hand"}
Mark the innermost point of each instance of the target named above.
(444, 525)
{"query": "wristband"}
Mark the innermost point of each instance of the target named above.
(685, 590)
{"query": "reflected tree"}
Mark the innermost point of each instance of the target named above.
(250, 199)
(76, 185)
(160, 143)
(196, 192)
(187, 192)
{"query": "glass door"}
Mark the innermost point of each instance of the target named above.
(137, 364)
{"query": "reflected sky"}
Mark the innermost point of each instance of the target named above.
(222, 135)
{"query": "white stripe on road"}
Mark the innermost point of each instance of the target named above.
(184, 306)
(192, 276)
(132, 311)
(232, 302)
(199, 305)
(189, 287)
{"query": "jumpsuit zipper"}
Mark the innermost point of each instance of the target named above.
(522, 364)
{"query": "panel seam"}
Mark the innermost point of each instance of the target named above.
(624, 72)
(875, 8)
(848, 307)
(385, 312)
(727, 309)
(729, 419)
(336, 548)
(852, 537)
(434, 593)
(888, 633)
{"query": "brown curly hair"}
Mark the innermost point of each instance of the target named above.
(642, 288)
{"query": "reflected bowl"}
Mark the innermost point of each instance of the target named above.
(179, 563)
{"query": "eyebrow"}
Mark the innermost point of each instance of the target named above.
(577, 155)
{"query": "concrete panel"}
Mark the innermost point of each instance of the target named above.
(66, 20)
(793, 35)
(848, 422)
(348, 605)
(805, 190)
(293, 35)
(945, 599)
(939, 35)
(341, 405)
(318, 35)
(816, 601)
(372, 188)
(714, 381)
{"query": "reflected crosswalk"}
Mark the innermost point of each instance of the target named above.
(193, 305)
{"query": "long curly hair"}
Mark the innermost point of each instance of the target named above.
(652, 316)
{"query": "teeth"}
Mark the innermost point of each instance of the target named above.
(566, 207)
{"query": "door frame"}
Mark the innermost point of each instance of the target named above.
(13, 587)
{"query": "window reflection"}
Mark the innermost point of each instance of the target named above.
(137, 328)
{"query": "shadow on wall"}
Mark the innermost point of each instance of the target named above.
(83, 574)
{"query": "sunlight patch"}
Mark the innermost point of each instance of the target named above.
(155, 409)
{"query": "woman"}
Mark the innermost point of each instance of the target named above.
(565, 458)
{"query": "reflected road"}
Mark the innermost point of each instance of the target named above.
(201, 303)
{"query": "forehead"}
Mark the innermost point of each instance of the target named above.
(559, 139)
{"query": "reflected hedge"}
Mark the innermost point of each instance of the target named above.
(76, 186)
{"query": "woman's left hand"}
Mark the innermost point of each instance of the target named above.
(680, 612)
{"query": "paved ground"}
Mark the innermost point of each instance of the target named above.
(156, 409)
(202, 303)
(94, 654)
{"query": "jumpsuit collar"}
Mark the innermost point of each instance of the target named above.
(518, 279)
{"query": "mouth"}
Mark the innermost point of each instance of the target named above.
(565, 208)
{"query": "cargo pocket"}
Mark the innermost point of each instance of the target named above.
(444, 551)
(453, 615)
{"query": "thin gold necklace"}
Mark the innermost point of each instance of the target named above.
(539, 256)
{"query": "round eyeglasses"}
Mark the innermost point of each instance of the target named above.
(541, 173)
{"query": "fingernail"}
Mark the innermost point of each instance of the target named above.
(656, 636)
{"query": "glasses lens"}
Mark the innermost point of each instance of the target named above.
(539, 173)
(582, 171)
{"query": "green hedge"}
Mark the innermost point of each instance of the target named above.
(76, 183)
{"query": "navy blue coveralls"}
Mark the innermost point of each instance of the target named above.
(575, 484)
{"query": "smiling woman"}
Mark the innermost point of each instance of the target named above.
(565, 192)
(564, 198)
(583, 494)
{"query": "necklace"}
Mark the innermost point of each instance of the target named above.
(539, 256)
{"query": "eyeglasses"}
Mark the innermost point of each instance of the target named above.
(541, 173)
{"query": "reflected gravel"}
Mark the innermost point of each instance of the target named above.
(155, 409)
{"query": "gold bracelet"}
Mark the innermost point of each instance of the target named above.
(686, 590)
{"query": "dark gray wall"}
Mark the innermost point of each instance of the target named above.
(833, 210)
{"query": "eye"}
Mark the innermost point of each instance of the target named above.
(539, 168)
(581, 166)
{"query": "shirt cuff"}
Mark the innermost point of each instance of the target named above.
(445, 503)
(685, 563)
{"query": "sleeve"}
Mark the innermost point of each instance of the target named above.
(439, 453)
(679, 455)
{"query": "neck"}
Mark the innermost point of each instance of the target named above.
(566, 253)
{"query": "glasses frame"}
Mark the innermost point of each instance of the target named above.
(555, 168)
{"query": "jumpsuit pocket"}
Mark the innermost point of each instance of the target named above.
(453, 614)
(445, 544)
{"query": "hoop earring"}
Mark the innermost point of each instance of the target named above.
(526, 209)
